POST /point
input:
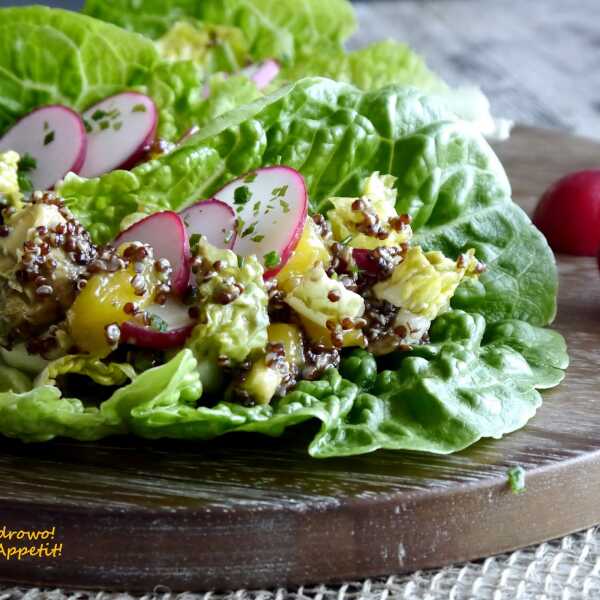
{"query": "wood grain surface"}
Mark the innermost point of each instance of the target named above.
(248, 512)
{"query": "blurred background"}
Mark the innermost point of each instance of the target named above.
(537, 61)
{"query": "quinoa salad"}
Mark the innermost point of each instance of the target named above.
(226, 235)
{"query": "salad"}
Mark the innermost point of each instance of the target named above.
(208, 227)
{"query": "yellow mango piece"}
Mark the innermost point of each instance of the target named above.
(322, 335)
(310, 250)
(102, 302)
(291, 337)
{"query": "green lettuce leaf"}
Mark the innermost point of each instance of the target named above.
(469, 383)
(41, 414)
(217, 48)
(98, 371)
(448, 179)
(278, 29)
(446, 396)
(370, 68)
(12, 379)
(54, 56)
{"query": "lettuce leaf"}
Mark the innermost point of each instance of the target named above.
(278, 29)
(448, 179)
(467, 384)
(55, 56)
(369, 68)
(84, 60)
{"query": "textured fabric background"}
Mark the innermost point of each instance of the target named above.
(537, 61)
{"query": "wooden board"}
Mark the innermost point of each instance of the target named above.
(247, 511)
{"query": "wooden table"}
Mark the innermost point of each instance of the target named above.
(537, 61)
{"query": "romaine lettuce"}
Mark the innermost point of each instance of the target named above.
(467, 384)
(278, 29)
(448, 179)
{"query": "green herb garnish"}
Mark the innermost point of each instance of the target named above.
(249, 230)
(241, 195)
(280, 191)
(346, 240)
(516, 479)
(195, 240)
(99, 114)
(158, 323)
(271, 259)
(87, 126)
(49, 138)
(104, 125)
(117, 125)
(250, 178)
(258, 238)
(26, 164)
(138, 108)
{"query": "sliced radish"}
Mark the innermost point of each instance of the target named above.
(214, 219)
(119, 129)
(271, 205)
(166, 234)
(262, 73)
(172, 325)
(55, 137)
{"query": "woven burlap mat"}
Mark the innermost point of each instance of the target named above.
(565, 569)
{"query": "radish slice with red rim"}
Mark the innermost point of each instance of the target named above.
(213, 219)
(120, 128)
(271, 205)
(170, 326)
(52, 135)
(166, 234)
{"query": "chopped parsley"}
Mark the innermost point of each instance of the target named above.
(195, 240)
(250, 177)
(117, 125)
(87, 126)
(26, 164)
(138, 108)
(249, 230)
(99, 114)
(49, 138)
(271, 259)
(280, 191)
(516, 479)
(257, 238)
(256, 208)
(284, 205)
(158, 323)
(104, 125)
(241, 195)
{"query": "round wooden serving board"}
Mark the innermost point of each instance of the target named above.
(248, 511)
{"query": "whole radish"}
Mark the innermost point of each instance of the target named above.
(568, 214)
